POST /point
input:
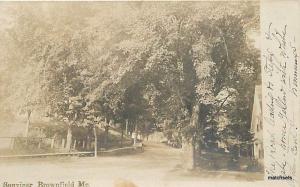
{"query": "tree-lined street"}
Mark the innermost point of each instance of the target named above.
(100, 76)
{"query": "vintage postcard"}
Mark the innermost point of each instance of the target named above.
(149, 93)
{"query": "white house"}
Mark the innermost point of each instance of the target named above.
(257, 126)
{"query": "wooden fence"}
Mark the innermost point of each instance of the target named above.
(23, 147)
(42, 142)
(113, 152)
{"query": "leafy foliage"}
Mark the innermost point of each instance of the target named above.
(150, 62)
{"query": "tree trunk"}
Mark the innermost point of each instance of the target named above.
(28, 122)
(126, 128)
(190, 146)
(63, 144)
(69, 138)
(195, 141)
(134, 138)
(225, 45)
(88, 143)
(74, 145)
(135, 135)
(122, 135)
(106, 136)
(53, 141)
(27, 126)
(96, 141)
(83, 144)
(39, 145)
(188, 158)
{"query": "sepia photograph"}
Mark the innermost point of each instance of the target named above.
(130, 93)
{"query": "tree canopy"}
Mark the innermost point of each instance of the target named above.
(137, 61)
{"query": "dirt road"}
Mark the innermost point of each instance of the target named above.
(158, 165)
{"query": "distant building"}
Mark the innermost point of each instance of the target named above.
(10, 131)
(256, 125)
